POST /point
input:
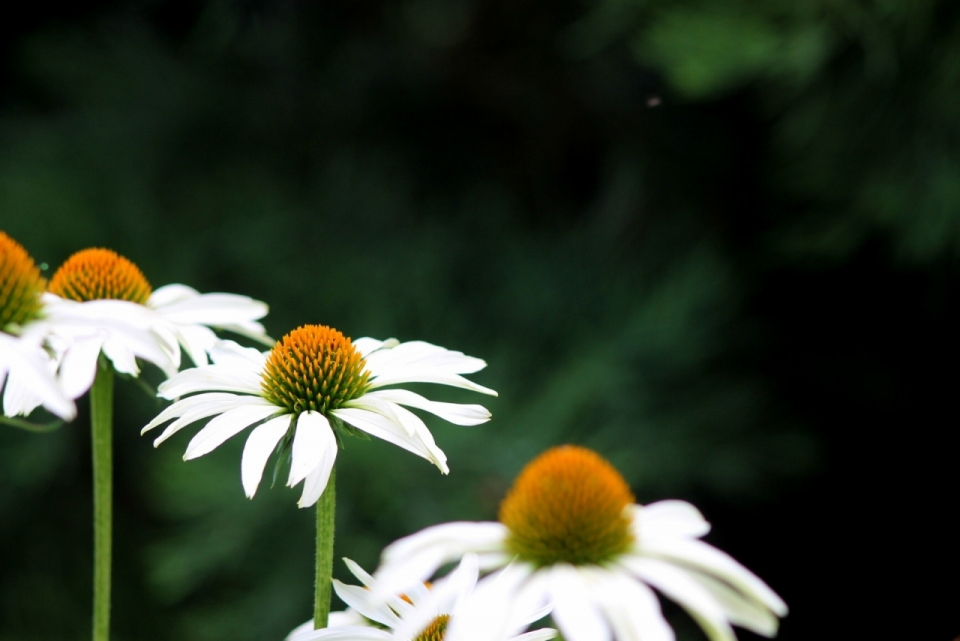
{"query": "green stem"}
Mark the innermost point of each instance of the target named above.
(101, 419)
(325, 522)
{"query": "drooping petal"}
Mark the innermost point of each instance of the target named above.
(710, 560)
(28, 369)
(181, 407)
(387, 430)
(739, 609)
(574, 612)
(226, 425)
(311, 439)
(632, 609)
(260, 444)
(197, 340)
(491, 610)
(456, 413)
(209, 408)
(124, 361)
(316, 482)
(79, 366)
(690, 595)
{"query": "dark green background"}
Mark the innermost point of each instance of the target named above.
(715, 241)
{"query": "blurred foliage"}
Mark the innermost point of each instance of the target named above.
(678, 232)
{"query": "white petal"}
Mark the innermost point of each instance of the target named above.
(669, 519)
(690, 595)
(79, 366)
(211, 378)
(424, 375)
(573, 610)
(537, 635)
(710, 560)
(344, 634)
(209, 408)
(311, 439)
(489, 611)
(316, 482)
(18, 398)
(377, 405)
(169, 294)
(213, 309)
(124, 361)
(387, 430)
(414, 426)
(30, 371)
(739, 609)
(367, 345)
(413, 559)
(226, 425)
(197, 340)
(632, 609)
(359, 599)
(260, 445)
(421, 355)
(456, 413)
(229, 353)
(179, 408)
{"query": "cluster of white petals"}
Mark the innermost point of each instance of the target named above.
(613, 600)
(231, 389)
(175, 316)
(405, 618)
(27, 378)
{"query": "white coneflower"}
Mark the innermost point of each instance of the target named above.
(421, 614)
(98, 301)
(576, 538)
(26, 369)
(315, 380)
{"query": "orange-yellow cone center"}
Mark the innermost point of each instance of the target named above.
(94, 274)
(314, 368)
(436, 630)
(20, 284)
(567, 505)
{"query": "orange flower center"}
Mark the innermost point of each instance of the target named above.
(21, 284)
(94, 274)
(314, 368)
(436, 629)
(567, 505)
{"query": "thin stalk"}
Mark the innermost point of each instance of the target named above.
(101, 419)
(325, 523)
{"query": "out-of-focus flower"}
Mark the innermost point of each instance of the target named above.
(313, 382)
(26, 369)
(575, 537)
(100, 302)
(421, 614)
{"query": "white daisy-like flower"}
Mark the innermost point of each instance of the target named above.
(100, 302)
(26, 369)
(316, 380)
(572, 531)
(421, 614)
